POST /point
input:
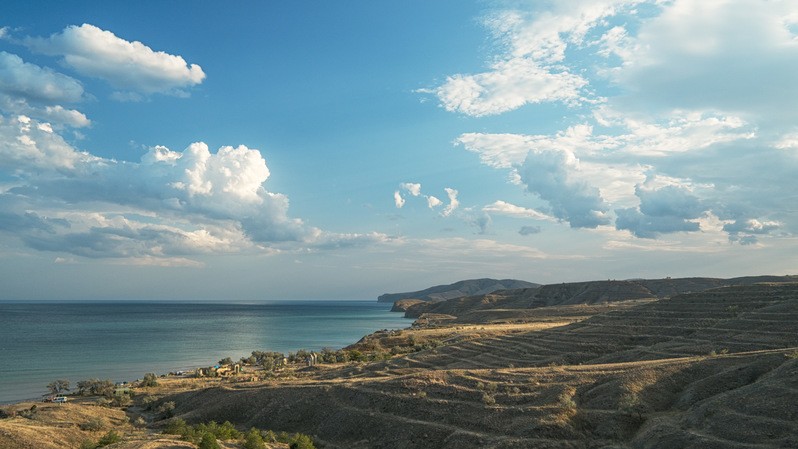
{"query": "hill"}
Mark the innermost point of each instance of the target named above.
(607, 364)
(509, 303)
(714, 369)
(458, 289)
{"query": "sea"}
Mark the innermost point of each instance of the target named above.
(122, 340)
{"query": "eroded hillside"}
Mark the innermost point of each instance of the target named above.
(712, 369)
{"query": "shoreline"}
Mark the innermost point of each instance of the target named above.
(191, 367)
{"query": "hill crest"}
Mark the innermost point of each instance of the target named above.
(468, 287)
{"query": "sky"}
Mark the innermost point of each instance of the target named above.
(339, 150)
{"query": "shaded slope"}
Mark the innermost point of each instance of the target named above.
(458, 289)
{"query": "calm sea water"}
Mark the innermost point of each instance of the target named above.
(41, 342)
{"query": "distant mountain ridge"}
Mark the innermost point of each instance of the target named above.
(469, 287)
(572, 293)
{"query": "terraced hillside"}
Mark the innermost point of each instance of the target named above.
(716, 369)
(481, 308)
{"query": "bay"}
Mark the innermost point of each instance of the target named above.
(44, 341)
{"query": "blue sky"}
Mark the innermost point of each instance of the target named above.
(179, 150)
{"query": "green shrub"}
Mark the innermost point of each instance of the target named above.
(300, 441)
(109, 438)
(254, 440)
(208, 441)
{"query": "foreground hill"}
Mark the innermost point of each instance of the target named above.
(458, 289)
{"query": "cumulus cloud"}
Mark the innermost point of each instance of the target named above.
(693, 55)
(663, 209)
(691, 99)
(412, 188)
(21, 79)
(26, 144)
(552, 175)
(504, 208)
(128, 66)
(454, 203)
(398, 200)
(745, 231)
(30, 90)
(167, 207)
(433, 202)
(70, 117)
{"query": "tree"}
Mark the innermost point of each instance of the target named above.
(96, 387)
(58, 386)
(226, 361)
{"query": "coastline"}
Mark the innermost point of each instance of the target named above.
(123, 341)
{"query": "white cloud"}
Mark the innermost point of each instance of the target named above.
(69, 117)
(129, 66)
(532, 67)
(694, 56)
(453, 202)
(509, 85)
(504, 208)
(433, 202)
(164, 209)
(26, 147)
(398, 200)
(412, 188)
(21, 79)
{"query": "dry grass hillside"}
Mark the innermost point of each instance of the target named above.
(716, 369)
(713, 369)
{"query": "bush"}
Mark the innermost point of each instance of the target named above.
(226, 361)
(150, 380)
(208, 441)
(300, 441)
(109, 438)
(254, 440)
(166, 409)
(88, 444)
(225, 431)
(175, 426)
(93, 425)
(123, 400)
